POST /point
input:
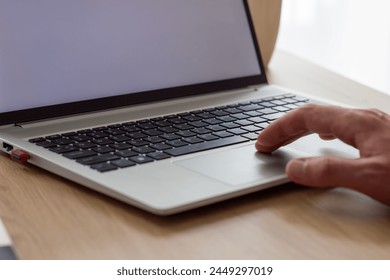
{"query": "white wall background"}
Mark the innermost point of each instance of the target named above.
(350, 37)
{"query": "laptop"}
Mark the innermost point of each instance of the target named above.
(154, 103)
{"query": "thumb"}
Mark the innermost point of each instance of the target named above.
(363, 175)
(324, 171)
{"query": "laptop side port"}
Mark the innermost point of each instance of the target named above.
(7, 147)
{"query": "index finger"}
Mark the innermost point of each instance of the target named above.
(325, 120)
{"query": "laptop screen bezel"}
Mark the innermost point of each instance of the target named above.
(100, 104)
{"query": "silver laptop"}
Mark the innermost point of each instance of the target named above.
(155, 103)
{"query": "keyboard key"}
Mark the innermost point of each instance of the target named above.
(251, 128)
(120, 146)
(100, 128)
(266, 104)
(131, 129)
(192, 140)
(257, 119)
(52, 137)
(170, 136)
(168, 129)
(104, 167)
(79, 154)
(237, 131)
(117, 125)
(279, 102)
(251, 107)
(162, 123)
(115, 131)
(36, 140)
(177, 120)
(103, 149)
(198, 124)
(122, 163)
(219, 113)
(177, 143)
(103, 141)
(78, 138)
(230, 125)
(84, 131)
(46, 144)
(160, 146)
(289, 100)
(186, 133)
(251, 136)
(282, 108)
(291, 106)
(267, 111)
(158, 155)
(232, 110)
(183, 126)
(146, 126)
(98, 134)
(205, 146)
(181, 115)
(205, 115)
(215, 127)
(243, 122)
(252, 113)
(153, 132)
(97, 159)
(265, 99)
(64, 141)
(209, 137)
(201, 130)
(69, 134)
(227, 119)
(212, 121)
(136, 135)
(126, 153)
(141, 159)
(64, 149)
(143, 150)
(223, 134)
(262, 125)
(240, 116)
(154, 139)
(85, 145)
(191, 118)
(273, 117)
(138, 142)
(119, 138)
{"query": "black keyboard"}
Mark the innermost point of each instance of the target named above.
(111, 147)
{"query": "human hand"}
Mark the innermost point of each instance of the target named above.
(366, 130)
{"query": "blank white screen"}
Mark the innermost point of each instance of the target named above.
(54, 52)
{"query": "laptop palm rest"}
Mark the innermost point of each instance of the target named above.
(244, 165)
(241, 166)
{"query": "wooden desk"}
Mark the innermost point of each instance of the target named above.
(51, 218)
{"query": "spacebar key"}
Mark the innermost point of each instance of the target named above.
(205, 146)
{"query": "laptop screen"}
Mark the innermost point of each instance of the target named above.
(76, 56)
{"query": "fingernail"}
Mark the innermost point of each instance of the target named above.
(296, 168)
(261, 142)
(260, 146)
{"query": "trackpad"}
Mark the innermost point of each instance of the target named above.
(242, 165)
